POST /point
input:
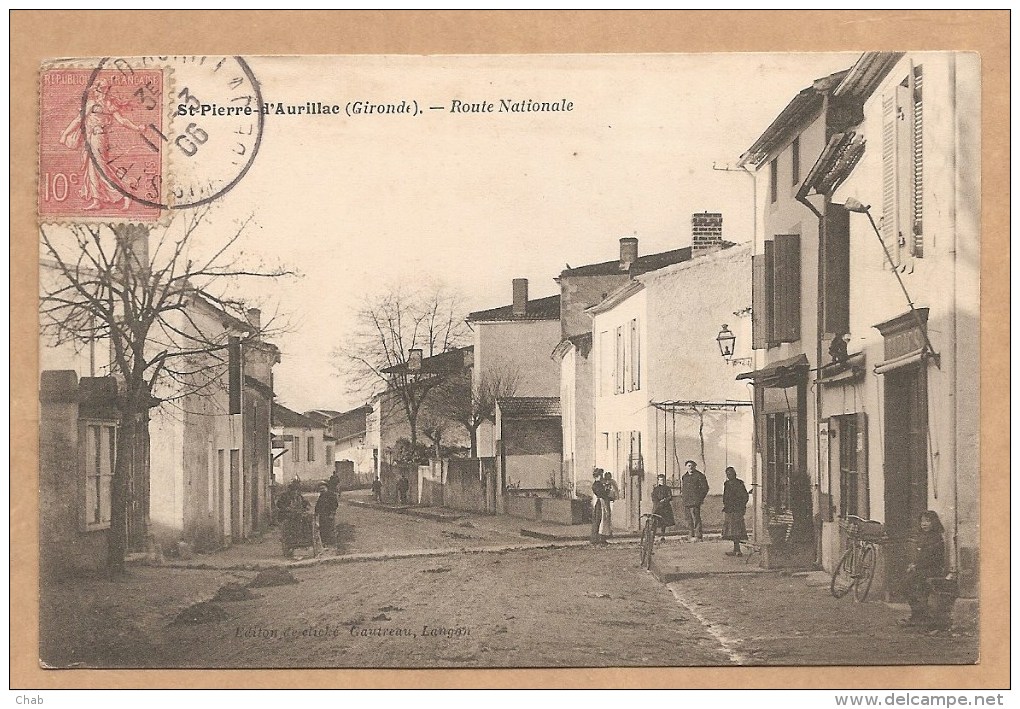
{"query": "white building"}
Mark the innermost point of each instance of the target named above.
(663, 393)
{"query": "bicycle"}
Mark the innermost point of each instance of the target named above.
(650, 523)
(856, 568)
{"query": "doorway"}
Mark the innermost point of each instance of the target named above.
(906, 467)
(236, 533)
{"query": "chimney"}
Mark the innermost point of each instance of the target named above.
(520, 306)
(133, 240)
(628, 252)
(255, 318)
(706, 232)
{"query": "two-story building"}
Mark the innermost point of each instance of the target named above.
(580, 288)
(866, 316)
(663, 394)
(514, 342)
(299, 450)
(349, 430)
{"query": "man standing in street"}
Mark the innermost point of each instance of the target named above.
(377, 489)
(693, 491)
(403, 486)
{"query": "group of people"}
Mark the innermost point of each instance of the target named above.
(293, 507)
(693, 491)
(403, 488)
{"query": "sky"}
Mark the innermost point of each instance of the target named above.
(475, 200)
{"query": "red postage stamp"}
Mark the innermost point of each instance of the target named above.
(101, 138)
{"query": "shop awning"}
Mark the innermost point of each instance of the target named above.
(904, 360)
(778, 374)
(848, 370)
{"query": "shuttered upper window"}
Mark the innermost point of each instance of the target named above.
(775, 312)
(903, 168)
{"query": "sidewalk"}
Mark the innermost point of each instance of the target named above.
(680, 559)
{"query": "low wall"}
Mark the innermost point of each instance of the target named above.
(553, 510)
(711, 514)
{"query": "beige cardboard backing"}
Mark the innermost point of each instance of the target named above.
(37, 35)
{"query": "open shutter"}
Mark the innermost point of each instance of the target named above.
(760, 305)
(787, 288)
(916, 239)
(890, 226)
(234, 374)
(836, 294)
(863, 496)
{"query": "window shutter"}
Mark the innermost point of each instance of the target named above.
(759, 304)
(863, 499)
(916, 239)
(836, 294)
(619, 360)
(234, 374)
(786, 304)
(890, 229)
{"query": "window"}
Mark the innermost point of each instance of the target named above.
(606, 363)
(795, 160)
(329, 454)
(774, 179)
(903, 168)
(775, 312)
(849, 477)
(635, 460)
(311, 449)
(295, 448)
(100, 458)
(780, 459)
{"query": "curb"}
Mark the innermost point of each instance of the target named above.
(371, 556)
(407, 510)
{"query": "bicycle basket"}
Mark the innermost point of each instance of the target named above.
(868, 529)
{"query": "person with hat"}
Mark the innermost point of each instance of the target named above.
(325, 510)
(291, 505)
(734, 500)
(597, 491)
(662, 504)
(693, 491)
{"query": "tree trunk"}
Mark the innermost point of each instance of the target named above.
(117, 534)
(473, 432)
(129, 488)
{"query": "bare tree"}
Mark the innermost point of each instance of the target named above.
(471, 402)
(131, 289)
(378, 353)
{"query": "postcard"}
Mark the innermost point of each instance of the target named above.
(464, 361)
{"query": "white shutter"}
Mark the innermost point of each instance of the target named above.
(890, 228)
(916, 238)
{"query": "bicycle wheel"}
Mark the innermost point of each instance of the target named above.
(865, 574)
(647, 544)
(842, 578)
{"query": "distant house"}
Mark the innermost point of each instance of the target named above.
(516, 341)
(298, 447)
(663, 393)
(580, 288)
(349, 430)
(441, 408)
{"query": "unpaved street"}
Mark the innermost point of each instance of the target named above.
(469, 605)
(534, 608)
